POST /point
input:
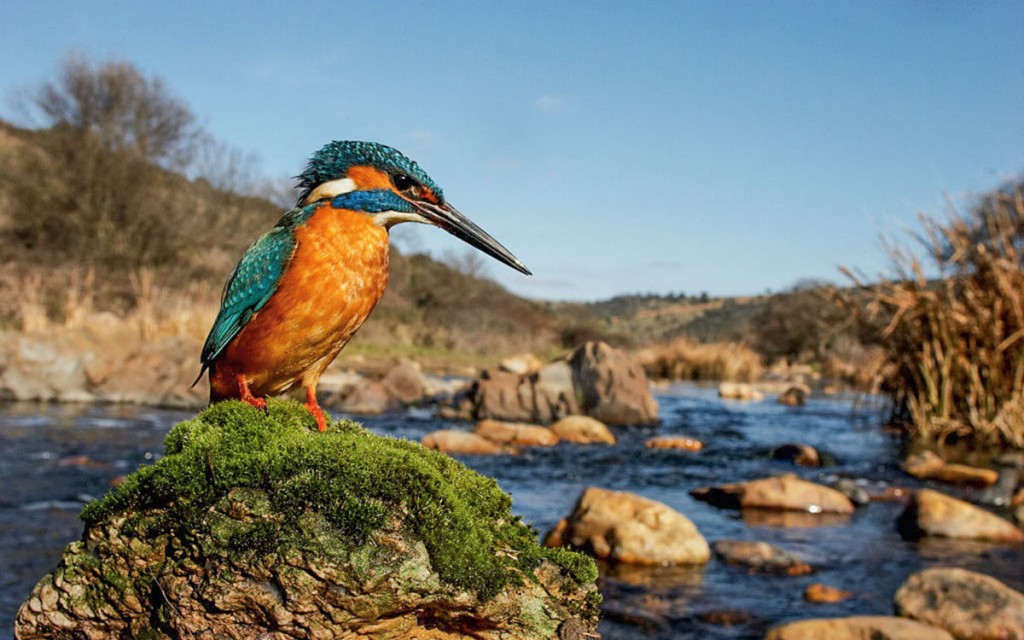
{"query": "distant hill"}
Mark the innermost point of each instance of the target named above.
(433, 311)
(637, 320)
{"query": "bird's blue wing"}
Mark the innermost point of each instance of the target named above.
(250, 286)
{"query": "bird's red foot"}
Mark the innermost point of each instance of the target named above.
(245, 395)
(314, 407)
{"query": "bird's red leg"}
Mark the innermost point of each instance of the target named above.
(314, 407)
(245, 395)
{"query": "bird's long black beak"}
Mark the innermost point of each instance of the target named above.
(448, 218)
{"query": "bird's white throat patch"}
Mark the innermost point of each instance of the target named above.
(331, 189)
(388, 219)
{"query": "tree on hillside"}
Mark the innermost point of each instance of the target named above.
(97, 190)
(798, 325)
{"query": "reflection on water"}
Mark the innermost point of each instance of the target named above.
(55, 458)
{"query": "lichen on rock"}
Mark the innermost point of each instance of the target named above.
(253, 524)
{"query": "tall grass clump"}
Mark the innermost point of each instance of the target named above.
(682, 359)
(954, 342)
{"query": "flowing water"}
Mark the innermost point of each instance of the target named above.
(54, 458)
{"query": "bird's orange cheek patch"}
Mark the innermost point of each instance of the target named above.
(429, 196)
(368, 178)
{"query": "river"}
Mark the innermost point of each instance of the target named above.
(54, 458)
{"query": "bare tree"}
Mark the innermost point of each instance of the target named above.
(97, 190)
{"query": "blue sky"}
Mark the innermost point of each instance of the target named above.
(615, 147)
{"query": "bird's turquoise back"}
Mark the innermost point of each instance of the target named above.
(253, 282)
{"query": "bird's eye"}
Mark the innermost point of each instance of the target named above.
(406, 185)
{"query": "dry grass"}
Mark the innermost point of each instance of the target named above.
(954, 346)
(682, 359)
(67, 301)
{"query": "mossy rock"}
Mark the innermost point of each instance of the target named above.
(255, 523)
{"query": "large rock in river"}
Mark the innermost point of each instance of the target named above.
(932, 513)
(785, 492)
(612, 386)
(965, 603)
(624, 527)
(256, 525)
(594, 380)
(857, 628)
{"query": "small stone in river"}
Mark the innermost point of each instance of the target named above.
(760, 557)
(460, 442)
(682, 443)
(857, 628)
(818, 592)
(802, 455)
(582, 430)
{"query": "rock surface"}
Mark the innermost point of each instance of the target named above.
(760, 557)
(682, 443)
(803, 455)
(461, 442)
(259, 526)
(624, 527)
(612, 387)
(930, 513)
(857, 628)
(927, 465)
(787, 492)
(516, 434)
(594, 380)
(364, 398)
(104, 360)
(967, 604)
(822, 593)
(795, 396)
(583, 430)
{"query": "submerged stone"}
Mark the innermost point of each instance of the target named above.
(257, 524)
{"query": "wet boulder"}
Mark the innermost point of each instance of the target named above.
(406, 382)
(457, 442)
(627, 528)
(612, 386)
(930, 513)
(786, 492)
(802, 455)
(795, 395)
(964, 603)
(516, 434)
(927, 465)
(583, 430)
(594, 380)
(760, 557)
(255, 525)
(364, 397)
(857, 628)
(539, 397)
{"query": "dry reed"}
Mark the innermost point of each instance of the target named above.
(31, 309)
(954, 345)
(682, 359)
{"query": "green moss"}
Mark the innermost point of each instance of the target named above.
(349, 477)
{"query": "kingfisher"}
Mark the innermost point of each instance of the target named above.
(303, 289)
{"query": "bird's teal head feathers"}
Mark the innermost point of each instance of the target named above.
(333, 161)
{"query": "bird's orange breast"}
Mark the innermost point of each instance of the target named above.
(336, 277)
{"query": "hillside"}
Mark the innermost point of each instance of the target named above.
(438, 313)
